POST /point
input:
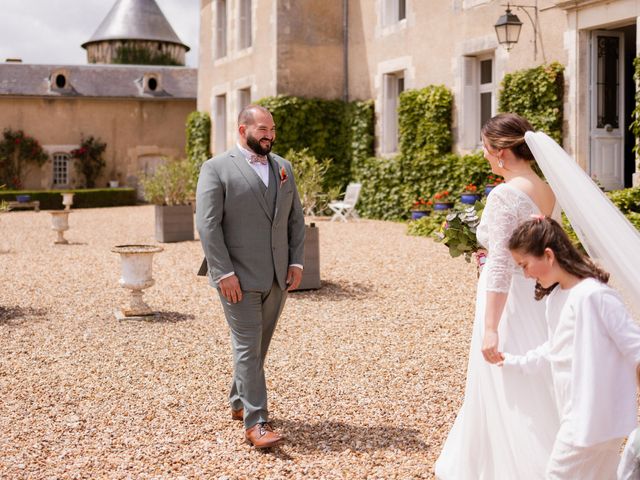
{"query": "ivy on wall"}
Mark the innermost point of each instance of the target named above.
(136, 55)
(425, 164)
(329, 129)
(635, 125)
(536, 94)
(17, 151)
(198, 132)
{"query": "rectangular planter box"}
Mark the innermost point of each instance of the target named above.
(174, 223)
(311, 272)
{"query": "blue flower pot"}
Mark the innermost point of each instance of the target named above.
(488, 188)
(416, 214)
(441, 206)
(469, 198)
(23, 198)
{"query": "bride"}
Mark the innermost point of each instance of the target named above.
(507, 423)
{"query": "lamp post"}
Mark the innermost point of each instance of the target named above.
(509, 25)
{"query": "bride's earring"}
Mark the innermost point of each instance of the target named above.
(500, 163)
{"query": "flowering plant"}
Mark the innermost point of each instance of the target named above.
(458, 231)
(421, 205)
(442, 197)
(471, 188)
(494, 180)
(89, 159)
(17, 151)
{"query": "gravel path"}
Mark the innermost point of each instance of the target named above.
(365, 375)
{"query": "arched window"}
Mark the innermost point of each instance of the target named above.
(61, 168)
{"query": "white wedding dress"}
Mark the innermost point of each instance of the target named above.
(508, 422)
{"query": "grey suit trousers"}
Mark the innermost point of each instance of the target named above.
(252, 322)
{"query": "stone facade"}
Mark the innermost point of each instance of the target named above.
(140, 125)
(374, 49)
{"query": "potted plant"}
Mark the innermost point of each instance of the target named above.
(493, 182)
(420, 208)
(442, 200)
(171, 189)
(470, 194)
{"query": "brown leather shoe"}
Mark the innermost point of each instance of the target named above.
(237, 414)
(261, 435)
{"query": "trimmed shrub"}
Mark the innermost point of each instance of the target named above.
(536, 94)
(83, 198)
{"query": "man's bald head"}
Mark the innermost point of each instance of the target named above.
(247, 114)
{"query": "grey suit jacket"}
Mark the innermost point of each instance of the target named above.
(237, 230)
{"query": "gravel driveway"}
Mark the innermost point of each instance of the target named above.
(365, 375)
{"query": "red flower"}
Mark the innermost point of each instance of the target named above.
(18, 140)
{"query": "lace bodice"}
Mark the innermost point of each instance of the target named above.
(506, 208)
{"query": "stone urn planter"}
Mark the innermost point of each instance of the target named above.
(67, 200)
(136, 263)
(60, 224)
(311, 272)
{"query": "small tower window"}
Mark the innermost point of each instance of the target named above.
(61, 80)
(151, 83)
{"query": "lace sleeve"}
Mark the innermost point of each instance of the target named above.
(501, 218)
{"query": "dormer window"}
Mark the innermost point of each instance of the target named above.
(151, 83)
(59, 80)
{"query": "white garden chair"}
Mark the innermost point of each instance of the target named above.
(345, 208)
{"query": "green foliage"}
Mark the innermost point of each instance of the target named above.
(426, 226)
(198, 142)
(459, 231)
(170, 184)
(627, 201)
(330, 129)
(89, 159)
(139, 55)
(635, 125)
(424, 122)
(83, 198)
(309, 172)
(17, 151)
(391, 185)
(536, 94)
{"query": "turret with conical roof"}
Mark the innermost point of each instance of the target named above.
(135, 32)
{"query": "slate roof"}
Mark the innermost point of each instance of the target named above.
(135, 20)
(97, 81)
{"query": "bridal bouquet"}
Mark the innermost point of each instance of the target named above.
(458, 232)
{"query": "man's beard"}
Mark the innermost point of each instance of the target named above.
(254, 144)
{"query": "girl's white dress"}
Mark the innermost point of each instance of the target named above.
(508, 421)
(593, 351)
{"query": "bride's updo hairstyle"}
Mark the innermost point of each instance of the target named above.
(506, 130)
(534, 236)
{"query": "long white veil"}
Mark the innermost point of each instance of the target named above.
(603, 230)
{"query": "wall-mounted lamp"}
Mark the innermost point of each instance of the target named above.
(509, 25)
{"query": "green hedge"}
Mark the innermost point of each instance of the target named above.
(83, 198)
(537, 94)
(329, 129)
(424, 165)
(424, 122)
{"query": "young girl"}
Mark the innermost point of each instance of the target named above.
(593, 351)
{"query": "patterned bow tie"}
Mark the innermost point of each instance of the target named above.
(262, 159)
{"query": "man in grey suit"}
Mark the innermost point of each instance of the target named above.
(251, 226)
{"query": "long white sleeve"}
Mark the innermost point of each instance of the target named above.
(531, 362)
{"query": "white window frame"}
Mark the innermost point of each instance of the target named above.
(472, 90)
(220, 116)
(393, 83)
(245, 33)
(244, 98)
(220, 33)
(393, 11)
(60, 172)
